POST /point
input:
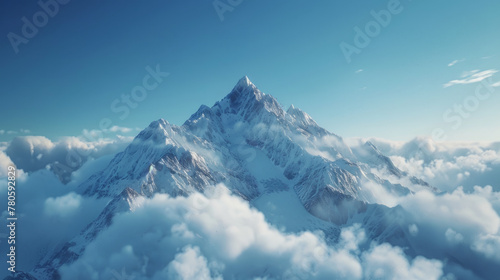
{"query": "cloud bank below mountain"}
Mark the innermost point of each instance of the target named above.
(444, 165)
(220, 236)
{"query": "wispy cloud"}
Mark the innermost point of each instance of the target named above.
(358, 71)
(120, 129)
(98, 133)
(471, 77)
(11, 132)
(455, 62)
(469, 73)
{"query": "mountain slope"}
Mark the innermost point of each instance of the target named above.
(261, 152)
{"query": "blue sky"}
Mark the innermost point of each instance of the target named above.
(65, 78)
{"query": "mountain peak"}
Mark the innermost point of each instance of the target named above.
(243, 92)
(157, 130)
(244, 85)
(244, 82)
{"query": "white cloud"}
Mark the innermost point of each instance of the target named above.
(12, 132)
(388, 262)
(31, 153)
(444, 165)
(465, 213)
(447, 173)
(472, 77)
(453, 236)
(461, 222)
(489, 245)
(42, 201)
(455, 62)
(464, 226)
(5, 162)
(188, 265)
(120, 129)
(376, 193)
(63, 206)
(104, 134)
(220, 235)
(359, 71)
(488, 193)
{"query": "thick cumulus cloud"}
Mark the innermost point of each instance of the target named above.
(64, 205)
(32, 153)
(460, 224)
(189, 264)
(219, 236)
(460, 228)
(444, 165)
(50, 213)
(463, 227)
(5, 162)
(387, 262)
(453, 235)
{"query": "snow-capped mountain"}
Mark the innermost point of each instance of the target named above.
(262, 153)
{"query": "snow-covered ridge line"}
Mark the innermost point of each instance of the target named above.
(249, 143)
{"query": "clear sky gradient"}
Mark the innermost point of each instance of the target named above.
(428, 57)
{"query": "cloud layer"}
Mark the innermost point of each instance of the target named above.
(444, 165)
(32, 153)
(454, 235)
(462, 227)
(49, 214)
(221, 236)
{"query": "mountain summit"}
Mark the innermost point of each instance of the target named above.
(260, 152)
(244, 82)
(211, 147)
